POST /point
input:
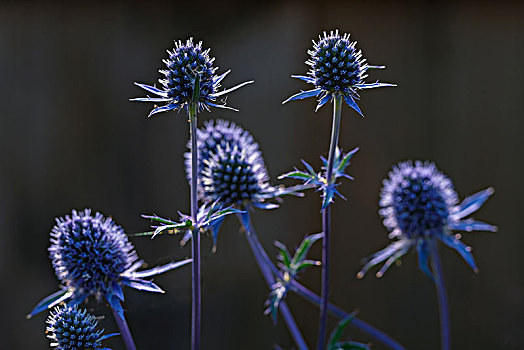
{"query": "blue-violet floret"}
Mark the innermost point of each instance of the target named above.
(337, 69)
(419, 206)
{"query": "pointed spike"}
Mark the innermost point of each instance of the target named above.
(351, 103)
(303, 94)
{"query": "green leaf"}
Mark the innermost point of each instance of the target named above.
(337, 333)
(307, 263)
(345, 161)
(159, 219)
(284, 256)
(304, 247)
(297, 175)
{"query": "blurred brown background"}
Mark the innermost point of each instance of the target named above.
(69, 138)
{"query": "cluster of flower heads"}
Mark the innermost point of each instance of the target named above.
(231, 168)
(337, 70)
(189, 78)
(419, 206)
(70, 328)
(92, 256)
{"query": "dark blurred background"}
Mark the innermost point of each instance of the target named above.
(69, 138)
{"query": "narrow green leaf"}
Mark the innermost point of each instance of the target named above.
(345, 161)
(159, 219)
(304, 247)
(297, 175)
(307, 263)
(284, 253)
(337, 333)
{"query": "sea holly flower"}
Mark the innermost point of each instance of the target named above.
(337, 69)
(70, 328)
(420, 206)
(232, 171)
(189, 77)
(290, 267)
(92, 256)
(318, 180)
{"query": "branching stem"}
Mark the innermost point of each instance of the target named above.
(266, 265)
(262, 261)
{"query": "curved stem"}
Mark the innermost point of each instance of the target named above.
(195, 241)
(266, 265)
(341, 314)
(326, 226)
(442, 298)
(124, 331)
(261, 259)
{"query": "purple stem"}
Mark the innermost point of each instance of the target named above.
(341, 314)
(195, 241)
(124, 331)
(261, 259)
(442, 298)
(266, 265)
(326, 226)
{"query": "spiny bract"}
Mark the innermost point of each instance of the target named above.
(419, 205)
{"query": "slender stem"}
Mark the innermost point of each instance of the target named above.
(326, 226)
(339, 313)
(124, 331)
(266, 265)
(442, 298)
(261, 259)
(195, 241)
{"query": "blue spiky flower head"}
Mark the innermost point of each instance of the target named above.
(92, 256)
(419, 206)
(189, 78)
(70, 328)
(337, 69)
(231, 167)
(89, 252)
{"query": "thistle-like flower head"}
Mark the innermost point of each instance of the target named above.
(337, 69)
(89, 252)
(70, 328)
(92, 256)
(189, 78)
(231, 167)
(419, 205)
